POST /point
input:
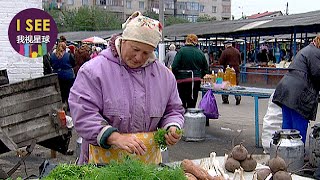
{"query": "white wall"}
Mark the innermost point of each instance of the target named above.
(19, 67)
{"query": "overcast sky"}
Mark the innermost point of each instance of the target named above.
(249, 7)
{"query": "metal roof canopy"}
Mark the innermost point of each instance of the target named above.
(268, 26)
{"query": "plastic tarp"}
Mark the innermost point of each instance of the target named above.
(272, 122)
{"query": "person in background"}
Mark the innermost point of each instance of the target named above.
(94, 52)
(206, 54)
(263, 57)
(297, 92)
(82, 55)
(47, 69)
(64, 40)
(120, 98)
(168, 60)
(99, 49)
(232, 57)
(62, 64)
(189, 67)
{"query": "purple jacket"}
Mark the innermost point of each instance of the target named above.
(107, 93)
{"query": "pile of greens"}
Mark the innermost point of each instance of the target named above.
(125, 170)
(159, 138)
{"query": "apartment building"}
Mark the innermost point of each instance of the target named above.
(188, 9)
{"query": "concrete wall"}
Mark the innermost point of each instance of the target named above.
(19, 67)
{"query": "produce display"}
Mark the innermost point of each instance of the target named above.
(277, 170)
(124, 170)
(239, 158)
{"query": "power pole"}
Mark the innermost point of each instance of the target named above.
(161, 47)
(175, 8)
(161, 16)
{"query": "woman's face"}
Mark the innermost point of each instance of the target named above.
(135, 54)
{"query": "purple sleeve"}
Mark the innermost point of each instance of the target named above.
(85, 101)
(173, 114)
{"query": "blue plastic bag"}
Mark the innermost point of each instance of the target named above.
(209, 105)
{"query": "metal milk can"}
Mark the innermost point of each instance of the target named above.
(290, 148)
(194, 125)
(314, 146)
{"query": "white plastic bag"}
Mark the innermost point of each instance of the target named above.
(272, 122)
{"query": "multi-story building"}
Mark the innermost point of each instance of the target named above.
(188, 9)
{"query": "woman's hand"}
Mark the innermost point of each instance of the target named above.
(172, 137)
(131, 144)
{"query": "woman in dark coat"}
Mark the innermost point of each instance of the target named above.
(297, 92)
(62, 64)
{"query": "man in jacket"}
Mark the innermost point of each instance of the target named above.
(168, 60)
(189, 67)
(297, 92)
(232, 57)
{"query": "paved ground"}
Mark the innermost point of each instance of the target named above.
(218, 138)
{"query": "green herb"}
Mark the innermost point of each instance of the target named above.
(125, 169)
(159, 138)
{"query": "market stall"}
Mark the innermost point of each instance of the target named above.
(262, 76)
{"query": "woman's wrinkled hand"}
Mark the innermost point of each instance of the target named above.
(172, 137)
(131, 144)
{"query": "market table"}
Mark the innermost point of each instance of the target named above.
(261, 159)
(256, 93)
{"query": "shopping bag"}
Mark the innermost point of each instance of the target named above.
(209, 105)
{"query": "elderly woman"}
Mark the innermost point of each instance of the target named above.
(297, 92)
(121, 97)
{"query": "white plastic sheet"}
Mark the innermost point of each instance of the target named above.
(272, 122)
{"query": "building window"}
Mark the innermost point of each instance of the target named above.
(193, 6)
(70, 2)
(226, 0)
(225, 18)
(128, 4)
(141, 4)
(226, 9)
(214, 9)
(201, 8)
(85, 2)
(113, 2)
(192, 18)
(103, 2)
(169, 5)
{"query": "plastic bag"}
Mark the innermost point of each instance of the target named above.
(272, 122)
(209, 105)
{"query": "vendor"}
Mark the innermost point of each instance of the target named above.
(298, 91)
(120, 99)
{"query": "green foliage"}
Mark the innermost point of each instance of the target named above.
(85, 19)
(127, 169)
(160, 139)
(205, 18)
(151, 14)
(170, 20)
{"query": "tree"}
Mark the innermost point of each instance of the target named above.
(205, 18)
(170, 20)
(85, 19)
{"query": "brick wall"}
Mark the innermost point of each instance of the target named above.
(19, 68)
